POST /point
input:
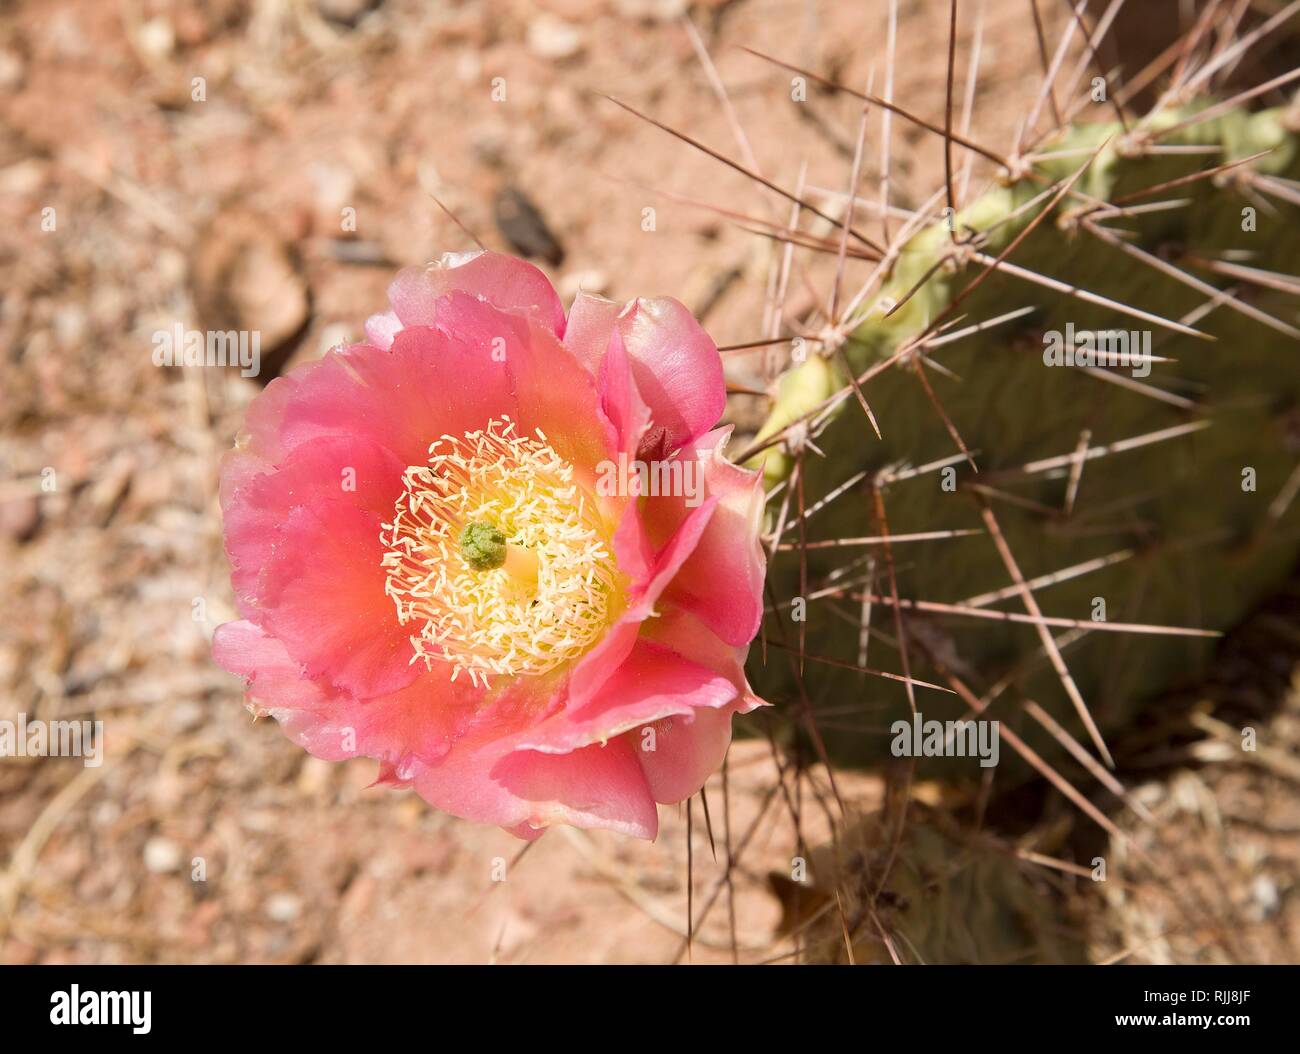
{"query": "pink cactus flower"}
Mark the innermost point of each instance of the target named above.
(470, 548)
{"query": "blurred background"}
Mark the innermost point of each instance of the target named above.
(267, 165)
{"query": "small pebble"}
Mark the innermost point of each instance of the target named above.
(20, 517)
(345, 12)
(161, 855)
(11, 69)
(651, 10)
(553, 38)
(157, 38)
(283, 907)
(1264, 891)
(187, 714)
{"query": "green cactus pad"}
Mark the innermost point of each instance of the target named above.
(1192, 528)
(948, 897)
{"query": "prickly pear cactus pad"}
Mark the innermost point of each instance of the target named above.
(1061, 524)
(940, 896)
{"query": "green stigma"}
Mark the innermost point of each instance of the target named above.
(483, 546)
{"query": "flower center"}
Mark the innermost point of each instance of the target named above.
(482, 546)
(497, 558)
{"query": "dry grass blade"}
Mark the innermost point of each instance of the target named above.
(886, 104)
(947, 110)
(762, 180)
(1044, 62)
(456, 220)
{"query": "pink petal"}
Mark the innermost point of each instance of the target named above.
(381, 329)
(674, 555)
(417, 724)
(257, 499)
(322, 594)
(654, 682)
(653, 577)
(687, 751)
(606, 655)
(273, 679)
(549, 388)
(686, 635)
(507, 283)
(675, 364)
(483, 778)
(598, 786)
(591, 322)
(448, 740)
(677, 370)
(620, 400)
(722, 579)
(435, 381)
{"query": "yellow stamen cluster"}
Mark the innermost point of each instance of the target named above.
(558, 585)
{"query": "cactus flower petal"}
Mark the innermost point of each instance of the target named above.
(722, 582)
(508, 284)
(677, 369)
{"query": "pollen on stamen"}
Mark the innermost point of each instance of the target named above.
(497, 621)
